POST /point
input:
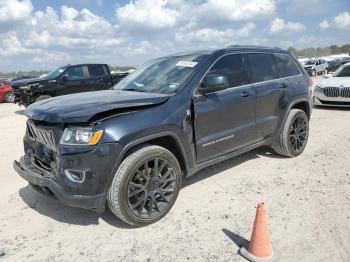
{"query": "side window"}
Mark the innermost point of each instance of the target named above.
(75, 73)
(262, 67)
(286, 65)
(232, 67)
(96, 70)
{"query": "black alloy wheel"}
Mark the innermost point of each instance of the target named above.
(151, 188)
(298, 134)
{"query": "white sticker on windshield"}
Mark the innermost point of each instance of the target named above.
(186, 63)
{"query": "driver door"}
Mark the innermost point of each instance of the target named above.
(225, 120)
(76, 81)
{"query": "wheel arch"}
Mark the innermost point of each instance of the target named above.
(302, 104)
(169, 140)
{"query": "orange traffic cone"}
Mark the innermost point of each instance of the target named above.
(260, 245)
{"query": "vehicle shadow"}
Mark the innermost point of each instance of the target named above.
(230, 163)
(65, 214)
(21, 112)
(76, 216)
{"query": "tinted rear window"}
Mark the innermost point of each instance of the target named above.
(262, 67)
(96, 70)
(286, 66)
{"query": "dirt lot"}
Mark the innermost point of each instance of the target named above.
(308, 201)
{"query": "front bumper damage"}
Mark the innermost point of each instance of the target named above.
(47, 166)
(45, 183)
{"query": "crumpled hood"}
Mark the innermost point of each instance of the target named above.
(81, 107)
(24, 82)
(335, 82)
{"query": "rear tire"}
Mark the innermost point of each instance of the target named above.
(145, 186)
(294, 135)
(9, 97)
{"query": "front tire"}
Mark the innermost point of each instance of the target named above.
(294, 135)
(145, 186)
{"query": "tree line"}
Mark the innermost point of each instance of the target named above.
(319, 51)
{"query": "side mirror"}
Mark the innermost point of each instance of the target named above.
(213, 83)
(64, 79)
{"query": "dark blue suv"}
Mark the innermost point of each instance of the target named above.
(131, 146)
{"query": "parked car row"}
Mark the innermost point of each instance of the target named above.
(315, 67)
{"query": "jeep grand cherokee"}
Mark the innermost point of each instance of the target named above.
(131, 146)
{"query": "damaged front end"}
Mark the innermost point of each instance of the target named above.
(63, 171)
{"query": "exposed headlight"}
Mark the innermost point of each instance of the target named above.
(318, 89)
(25, 88)
(80, 136)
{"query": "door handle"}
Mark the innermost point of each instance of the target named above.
(283, 85)
(246, 94)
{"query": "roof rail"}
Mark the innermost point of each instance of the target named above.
(252, 46)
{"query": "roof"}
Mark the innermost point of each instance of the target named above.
(228, 48)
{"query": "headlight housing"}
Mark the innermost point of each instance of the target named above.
(27, 87)
(80, 136)
(318, 89)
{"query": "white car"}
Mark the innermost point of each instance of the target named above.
(334, 91)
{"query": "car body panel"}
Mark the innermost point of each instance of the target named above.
(66, 109)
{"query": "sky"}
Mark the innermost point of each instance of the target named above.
(42, 35)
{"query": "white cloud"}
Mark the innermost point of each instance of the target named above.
(152, 14)
(212, 35)
(14, 12)
(324, 24)
(278, 25)
(236, 10)
(342, 21)
(145, 15)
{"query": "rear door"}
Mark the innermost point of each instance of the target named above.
(99, 77)
(225, 120)
(271, 92)
(76, 81)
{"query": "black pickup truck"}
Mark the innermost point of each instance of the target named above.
(65, 80)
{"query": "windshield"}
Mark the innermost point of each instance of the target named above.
(163, 75)
(55, 73)
(343, 72)
(311, 62)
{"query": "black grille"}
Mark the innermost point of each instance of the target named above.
(331, 91)
(345, 92)
(337, 92)
(42, 136)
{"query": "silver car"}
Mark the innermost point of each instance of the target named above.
(315, 67)
(334, 91)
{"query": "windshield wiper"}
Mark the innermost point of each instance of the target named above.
(133, 89)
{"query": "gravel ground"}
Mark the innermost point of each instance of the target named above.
(307, 198)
